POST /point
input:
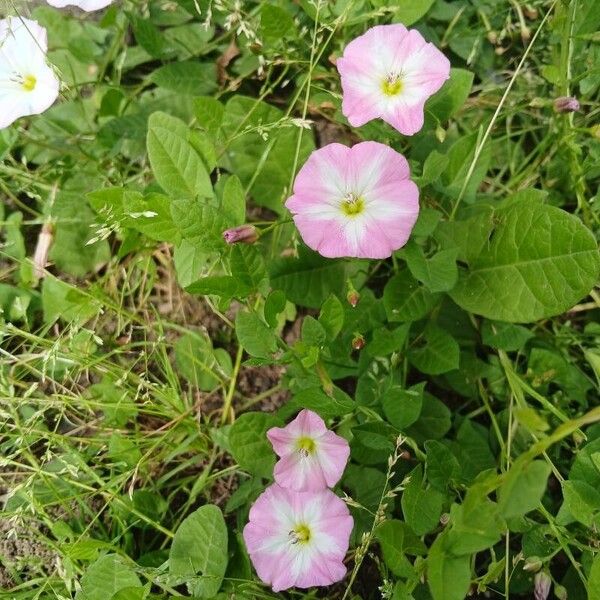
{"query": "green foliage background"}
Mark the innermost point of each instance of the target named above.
(131, 451)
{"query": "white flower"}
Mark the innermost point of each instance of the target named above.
(28, 86)
(87, 5)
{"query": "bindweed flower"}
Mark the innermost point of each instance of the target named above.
(28, 86)
(311, 456)
(298, 538)
(244, 234)
(356, 202)
(542, 583)
(566, 104)
(87, 5)
(389, 72)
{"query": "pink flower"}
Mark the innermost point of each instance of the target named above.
(355, 201)
(298, 538)
(245, 234)
(87, 5)
(389, 72)
(312, 457)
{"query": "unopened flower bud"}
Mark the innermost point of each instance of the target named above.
(358, 342)
(532, 565)
(566, 104)
(244, 234)
(560, 592)
(353, 298)
(543, 583)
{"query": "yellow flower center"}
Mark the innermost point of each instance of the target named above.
(392, 85)
(353, 205)
(306, 445)
(300, 534)
(29, 83)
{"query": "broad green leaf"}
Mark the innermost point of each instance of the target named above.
(200, 223)
(396, 540)
(274, 305)
(249, 444)
(435, 164)
(105, 577)
(261, 151)
(248, 266)
(275, 22)
(63, 301)
(402, 407)
(190, 263)
(535, 261)
(196, 361)
(442, 465)
(309, 279)
(147, 35)
(176, 165)
(312, 332)
(331, 317)
(198, 553)
(448, 576)
(474, 525)
(522, 488)
(386, 341)
(440, 353)
(581, 500)
(594, 580)
(209, 113)
(405, 299)
(406, 12)
(473, 450)
(433, 422)
(254, 335)
(151, 215)
(187, 77)
(422, 507)
(438, 273)
(234, 200)
(452, 96)
(131, 593)
(505, 336)
(335, 405)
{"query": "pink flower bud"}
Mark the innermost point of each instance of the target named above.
(542, 585)
(566, 104)
(353, 298)
(243, 234)
(358, 342)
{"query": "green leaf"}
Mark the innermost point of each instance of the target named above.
(105, 577)
(176, 165)
(452, 96)
(434, 420)
(274, 23)
(522, 488)
(209, 113)
(200, 547)
(438, 273)
(234, 200)
(402, 407)
(385, 342)
(196, 361)
(535, 261)
(406, 12)
(187, 77)
(249, 444)
(63, 301)
(474, 525)
(448, 576)
(442, 465)
(396, 540)
(435, 164)
(265, 164)
(331, 317)
(199, 222)
(314, 398)
(440, 354)
(147, 35)
(274, 305)
(422, 507)
(313, 333)
(309, 279)
(151, 215)
(254, 335)
(224, 286)
(131, 593)
(248, 266)
(504, 336)
(407, 300)
(594, 580)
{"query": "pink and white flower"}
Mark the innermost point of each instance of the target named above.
(311, 456)
(87, 5)
(28, 86)
(388, 73)
(298, 538)
(356, 202)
